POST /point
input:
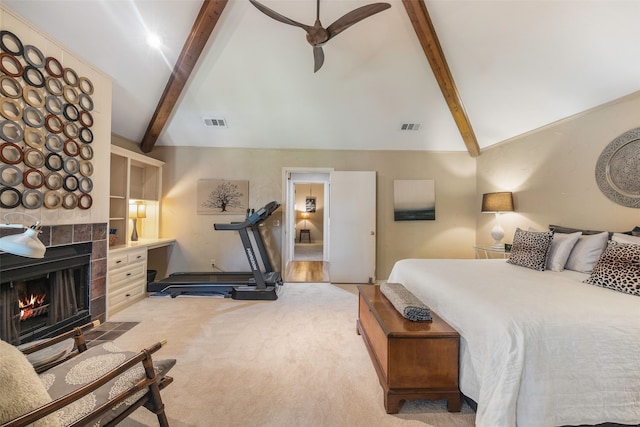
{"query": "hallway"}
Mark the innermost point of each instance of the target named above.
(307, 272)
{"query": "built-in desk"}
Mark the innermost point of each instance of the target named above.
(127, 267)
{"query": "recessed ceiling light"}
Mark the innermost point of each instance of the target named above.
(154, 40)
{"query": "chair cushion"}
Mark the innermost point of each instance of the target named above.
(89, 366)
(21, 390)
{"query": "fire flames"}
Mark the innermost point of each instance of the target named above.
(32, 305)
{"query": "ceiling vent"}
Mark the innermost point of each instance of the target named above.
(410, 126)
(214, 122)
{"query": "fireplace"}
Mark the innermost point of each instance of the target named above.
(40, 298)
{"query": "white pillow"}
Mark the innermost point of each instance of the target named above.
(561, 247)
(625, 238)
(21, 389)
(587, 251)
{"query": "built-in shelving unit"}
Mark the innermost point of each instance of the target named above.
(135, 178)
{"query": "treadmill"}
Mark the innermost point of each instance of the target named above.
(253, 285)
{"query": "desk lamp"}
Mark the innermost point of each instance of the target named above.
(26, 244)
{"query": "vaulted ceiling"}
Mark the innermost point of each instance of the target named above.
(517, 65)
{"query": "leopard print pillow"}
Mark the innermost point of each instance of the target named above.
(530, 249)
(618, 268)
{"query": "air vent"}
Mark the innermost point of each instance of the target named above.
(410, 126)
(214, 122)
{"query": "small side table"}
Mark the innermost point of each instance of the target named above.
(489, 252)
(307, 232)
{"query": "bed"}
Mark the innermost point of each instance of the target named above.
(538, 348)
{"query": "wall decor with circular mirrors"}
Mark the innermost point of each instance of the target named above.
(45, 135)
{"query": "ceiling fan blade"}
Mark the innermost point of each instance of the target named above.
(354, 16)
(275, 15)
(318, 58)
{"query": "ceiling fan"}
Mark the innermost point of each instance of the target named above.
(317, 35)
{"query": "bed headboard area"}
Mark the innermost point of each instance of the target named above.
(611, 258)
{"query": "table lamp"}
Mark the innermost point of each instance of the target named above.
(137, 210)
(497, 203)
(305, 216)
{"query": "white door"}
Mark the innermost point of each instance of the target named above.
(352, 225)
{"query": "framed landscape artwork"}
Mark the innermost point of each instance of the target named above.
(219, 196)
(414, 200)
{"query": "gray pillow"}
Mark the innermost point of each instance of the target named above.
(586, 252)
(568, 230)
(561, 229)
(530, 249)
(561, 247)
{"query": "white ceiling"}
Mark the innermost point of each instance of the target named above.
(518, 65)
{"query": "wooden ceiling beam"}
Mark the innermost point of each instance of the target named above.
(419, 16)
(202, 28)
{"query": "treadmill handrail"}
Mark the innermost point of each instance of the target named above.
(256, 218)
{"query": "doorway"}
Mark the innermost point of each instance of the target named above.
(348, 224)
(309, 227)
(306, 250)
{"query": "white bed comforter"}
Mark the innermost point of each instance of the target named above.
(537, 348)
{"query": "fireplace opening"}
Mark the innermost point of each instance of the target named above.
(33, 303)
(44, 297)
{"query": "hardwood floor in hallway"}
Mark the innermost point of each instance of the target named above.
(307, 272)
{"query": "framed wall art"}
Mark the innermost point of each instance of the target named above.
(311, 204)
(219, 196)
(414, 200)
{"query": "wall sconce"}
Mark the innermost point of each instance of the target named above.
(497, 203)
(26, 244)
(136, 210)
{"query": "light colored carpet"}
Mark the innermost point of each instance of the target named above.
(307, 252)
(297, 361)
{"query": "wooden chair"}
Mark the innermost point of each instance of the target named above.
(132, 380)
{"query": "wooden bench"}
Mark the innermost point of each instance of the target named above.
(413, 360)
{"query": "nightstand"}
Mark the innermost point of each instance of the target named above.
(489, 252)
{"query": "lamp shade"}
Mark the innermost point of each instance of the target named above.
(305, 215)
(137, 210)
(26, 244)
(142, 210)
(497, 202)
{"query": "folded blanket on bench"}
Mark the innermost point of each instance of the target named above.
(407, 304)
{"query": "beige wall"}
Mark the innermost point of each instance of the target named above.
(450, 236)
(552, 173)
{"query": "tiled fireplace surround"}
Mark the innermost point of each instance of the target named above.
(61, 235)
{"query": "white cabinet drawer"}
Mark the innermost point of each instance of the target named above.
(126, 275)
(127, 278)
(117, 261)
(137, 256)
(123, 297)
(126, 258)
